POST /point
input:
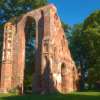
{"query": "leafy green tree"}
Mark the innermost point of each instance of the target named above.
(77, 50)
(91, 38)
(85, 47)
(14, 8)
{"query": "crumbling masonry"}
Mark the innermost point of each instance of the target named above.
(54, 68)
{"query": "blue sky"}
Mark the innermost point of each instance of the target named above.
(75, 11)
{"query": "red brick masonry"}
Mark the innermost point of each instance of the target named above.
(54, 68)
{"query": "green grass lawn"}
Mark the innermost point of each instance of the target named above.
(72, 96)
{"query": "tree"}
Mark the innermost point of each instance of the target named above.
(78, 53)
(91, 38)
(15, 8)
(85, 47)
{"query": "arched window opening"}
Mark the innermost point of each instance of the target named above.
(30, 37)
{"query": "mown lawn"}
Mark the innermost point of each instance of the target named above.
(72, 96)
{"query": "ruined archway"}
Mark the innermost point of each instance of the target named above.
(48, 36)
(30, 50)
(37, 42)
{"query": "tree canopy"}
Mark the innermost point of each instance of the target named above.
(85, 46)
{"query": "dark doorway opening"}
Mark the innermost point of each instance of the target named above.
(30, 50)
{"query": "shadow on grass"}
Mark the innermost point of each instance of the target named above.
(73, 96)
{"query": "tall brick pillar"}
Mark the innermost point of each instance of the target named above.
(6, 70)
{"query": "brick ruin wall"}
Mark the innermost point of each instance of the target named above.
(55, 69)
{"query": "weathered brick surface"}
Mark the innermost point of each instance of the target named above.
(54, 68)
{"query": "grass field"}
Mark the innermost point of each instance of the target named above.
(72, 96)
